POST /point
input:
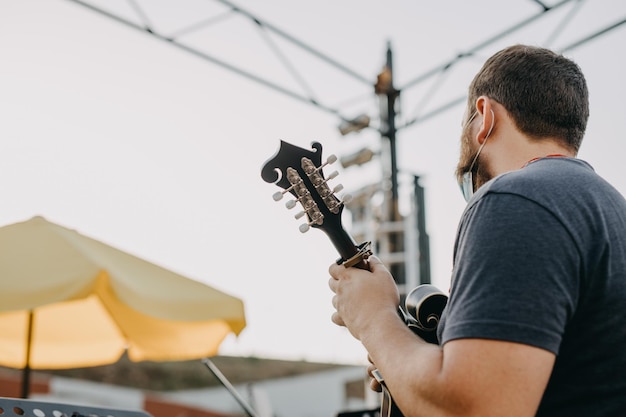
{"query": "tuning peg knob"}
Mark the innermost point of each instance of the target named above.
(290, 204)
(277, 196)
(304, 227)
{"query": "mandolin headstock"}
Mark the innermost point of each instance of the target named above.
(299, 172)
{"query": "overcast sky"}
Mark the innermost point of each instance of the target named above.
(158, 152)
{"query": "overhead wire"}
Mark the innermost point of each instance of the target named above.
(142, 16)
(461, 99)
(265, 26)
(471, 51)
(564, 22)
(201, 24)
(286, 63)
(540, 3)
(594, 35)
(300, 44)
(212, 59)
(446, 67)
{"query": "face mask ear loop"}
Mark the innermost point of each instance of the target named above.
(493, 122)
(467, 185)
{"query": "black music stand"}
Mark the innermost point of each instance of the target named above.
(29, 408)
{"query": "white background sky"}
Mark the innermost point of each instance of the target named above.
(155, 151)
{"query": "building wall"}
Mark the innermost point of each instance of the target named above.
(320, 394)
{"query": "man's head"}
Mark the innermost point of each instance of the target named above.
(543, 94)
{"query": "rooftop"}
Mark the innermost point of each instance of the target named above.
(170, 376)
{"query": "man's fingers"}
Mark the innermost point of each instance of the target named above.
(332, 283)
(375, 385)
(336, 318)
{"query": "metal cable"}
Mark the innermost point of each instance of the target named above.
(300, 44)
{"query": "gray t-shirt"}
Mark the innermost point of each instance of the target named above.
(540, 259)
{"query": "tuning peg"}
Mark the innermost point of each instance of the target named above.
(346, 198)
(277, 196)
(300, 215)
(290, 204)
(330, 160)
(315, 218)
(337, 188)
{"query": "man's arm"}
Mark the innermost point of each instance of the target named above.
(465, 377)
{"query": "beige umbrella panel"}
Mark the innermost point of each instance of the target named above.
(91, 302)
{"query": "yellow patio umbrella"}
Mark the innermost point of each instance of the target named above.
(69, 301)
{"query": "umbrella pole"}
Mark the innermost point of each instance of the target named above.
(26, 371)
(220, 376)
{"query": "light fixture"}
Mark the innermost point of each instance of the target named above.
(358, 158)
(354, 125)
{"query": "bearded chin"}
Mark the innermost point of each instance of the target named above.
(481, 176)
(465, 160)
(480, 173)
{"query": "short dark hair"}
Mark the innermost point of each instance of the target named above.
(544, 92)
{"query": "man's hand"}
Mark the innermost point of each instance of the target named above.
(361, 295)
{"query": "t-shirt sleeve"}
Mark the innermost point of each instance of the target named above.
(516, 274)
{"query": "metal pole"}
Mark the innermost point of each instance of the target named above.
(423, 239)
(26, 370)
(388, 94)
(392, 94)
(226, 383)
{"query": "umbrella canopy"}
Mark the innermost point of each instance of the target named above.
(69, 301)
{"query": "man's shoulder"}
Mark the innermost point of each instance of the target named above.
(548, 175)
(563, 186)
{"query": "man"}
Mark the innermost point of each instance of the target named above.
(535, 323)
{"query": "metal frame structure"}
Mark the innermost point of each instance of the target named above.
(393, 234)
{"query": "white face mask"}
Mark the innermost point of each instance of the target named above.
(467, 186)
(467, 180)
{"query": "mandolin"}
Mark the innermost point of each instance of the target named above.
(299, 172)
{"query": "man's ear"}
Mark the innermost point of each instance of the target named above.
(485, 109)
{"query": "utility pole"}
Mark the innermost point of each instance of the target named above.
(385, 89)
(400, 241)
(388, 95)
